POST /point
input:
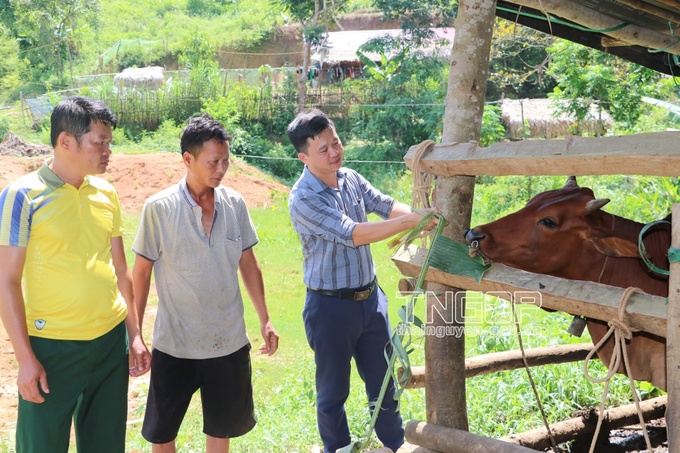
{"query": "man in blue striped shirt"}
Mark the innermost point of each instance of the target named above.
(345, 313)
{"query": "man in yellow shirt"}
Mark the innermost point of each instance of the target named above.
(60, 228)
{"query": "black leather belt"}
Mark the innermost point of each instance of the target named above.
(352, 294)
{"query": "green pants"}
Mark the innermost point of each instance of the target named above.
(88, 382)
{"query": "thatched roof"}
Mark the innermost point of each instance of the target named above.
(148, 77)
(343, 45)
(537, 118)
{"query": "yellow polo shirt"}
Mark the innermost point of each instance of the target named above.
(70, 286)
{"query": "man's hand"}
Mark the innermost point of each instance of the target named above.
(271, 339)
(140, 357)
(31, 380)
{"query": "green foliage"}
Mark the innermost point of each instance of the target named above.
(164, 139)
(5, 126)
(304, 11)
(586, 76)
(518, 62)
(403, 90)
(206, 8)
(52, 32)
(204, 71)
(417, 16)
(492, 125)
(11, 64)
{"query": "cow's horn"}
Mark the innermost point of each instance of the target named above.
(594, 205)
(571, 182)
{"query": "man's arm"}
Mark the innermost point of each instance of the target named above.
(141, 281)
(400, 219)
(140, 358)
(251, 274)
(32, 377)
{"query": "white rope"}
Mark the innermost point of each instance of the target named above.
(621, 332)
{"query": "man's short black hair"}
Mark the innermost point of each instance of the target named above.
(199, 130)
(308, 124)
(75, 114)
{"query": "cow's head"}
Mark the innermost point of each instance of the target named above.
(559, 232)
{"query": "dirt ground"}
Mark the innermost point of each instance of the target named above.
(135, 177)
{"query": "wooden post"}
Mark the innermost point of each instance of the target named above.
(445, 357)
(673, 342)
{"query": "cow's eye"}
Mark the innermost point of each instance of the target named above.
(548, 223)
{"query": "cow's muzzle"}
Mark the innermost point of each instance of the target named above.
(472, 238)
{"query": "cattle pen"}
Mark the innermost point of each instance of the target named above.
(456, 162)
(649, 154)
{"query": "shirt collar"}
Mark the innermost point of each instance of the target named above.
(184, 190)
(316, 184)
(52, 180)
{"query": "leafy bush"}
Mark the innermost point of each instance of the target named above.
(5, 126)
(492, 126)
(271, 157)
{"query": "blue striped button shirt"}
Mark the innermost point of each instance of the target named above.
(325, 218)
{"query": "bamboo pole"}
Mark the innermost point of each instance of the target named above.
(566, 430)
(673, 342)
(509, 360)
(450, 440)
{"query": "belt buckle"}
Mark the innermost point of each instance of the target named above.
(362, 295)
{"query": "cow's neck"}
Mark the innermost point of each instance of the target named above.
(624, 272)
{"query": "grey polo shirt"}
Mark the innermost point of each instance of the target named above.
(200, 309)
(324, 219)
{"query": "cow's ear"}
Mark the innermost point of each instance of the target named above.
(615, 246)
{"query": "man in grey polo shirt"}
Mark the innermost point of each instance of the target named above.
(195, 236)
(345, 313)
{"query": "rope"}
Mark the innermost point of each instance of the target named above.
(621, 332)
(553, 443)
(422, 181)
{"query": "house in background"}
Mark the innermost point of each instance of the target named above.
(538, 118)
(338, 60)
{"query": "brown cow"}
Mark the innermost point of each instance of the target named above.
(565, 233)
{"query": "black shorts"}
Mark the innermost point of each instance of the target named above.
(226, 395)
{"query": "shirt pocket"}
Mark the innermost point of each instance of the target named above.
(232, 247)
(358, 210)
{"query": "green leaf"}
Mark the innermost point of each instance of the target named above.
(453, 258)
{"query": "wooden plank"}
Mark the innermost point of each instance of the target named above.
(592, 300)
(673, 343)
(641, 154)
(509, 360)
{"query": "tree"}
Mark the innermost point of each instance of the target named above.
(519, 62)
(10, 63)
(48, 30)
(314, 17)
(587, 76)
(418, 16)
